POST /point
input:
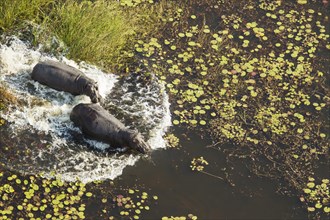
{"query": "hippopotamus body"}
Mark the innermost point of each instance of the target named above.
(97, 123)
(66, 78)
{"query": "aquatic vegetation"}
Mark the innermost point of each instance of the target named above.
(134, 204)
(99, 32)
(262, 89)
(269, 5)
(36, 197)
(181, 62)
(172, 140)
(199, 163)
(317, 196)
(251, 73)
(40, 198)
(133, 3)
(188, 217)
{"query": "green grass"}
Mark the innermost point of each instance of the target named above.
(13, 13)
(258, 87)
(95, 32)
(99, 32)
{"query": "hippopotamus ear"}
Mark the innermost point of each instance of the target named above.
(88, 86)
(132, 133)
(95, 86)
(91, 89)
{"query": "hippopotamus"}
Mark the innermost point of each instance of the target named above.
(66, 78)
(97, 123)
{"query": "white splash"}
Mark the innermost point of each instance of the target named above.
(46, 111)
(157, 133)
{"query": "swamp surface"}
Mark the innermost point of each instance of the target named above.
(233, 97)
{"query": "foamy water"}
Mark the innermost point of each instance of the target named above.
(56, 146)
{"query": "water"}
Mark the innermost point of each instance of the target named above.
(56, 146)
(182, 191)
(40, 138)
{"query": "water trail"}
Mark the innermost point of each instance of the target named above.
(41, 135)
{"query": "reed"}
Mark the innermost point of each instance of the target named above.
(13, 13)
(93, 31)
(100, 32)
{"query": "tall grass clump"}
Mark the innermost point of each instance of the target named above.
(13, 13)
(93, 31)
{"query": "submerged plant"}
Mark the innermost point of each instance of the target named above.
(317, 196)
(251, 73)
(36, 197)
(259, 88)
(199, 163)
(172, 140)
(188, 217)
(134, 204)
(134, 3)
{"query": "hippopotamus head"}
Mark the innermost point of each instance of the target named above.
(92, 90)
(136, 142)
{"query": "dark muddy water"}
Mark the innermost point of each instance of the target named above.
(43, 127)
(182, 191)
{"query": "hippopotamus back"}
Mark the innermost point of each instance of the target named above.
(66, 78)
(98, 124)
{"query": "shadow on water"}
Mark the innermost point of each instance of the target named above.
(182, 191)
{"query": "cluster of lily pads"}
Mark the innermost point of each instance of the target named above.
(172, 140)
(188, 217)
(198, 164)
(317, 195)
(35, 197)
(252, 73)
(257, 78)
(133, 3)
(39, 198)
(134, 204)
(174, 60)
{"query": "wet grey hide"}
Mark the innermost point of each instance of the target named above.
(98, 124)
(66, 78)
